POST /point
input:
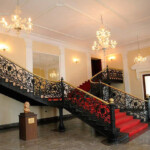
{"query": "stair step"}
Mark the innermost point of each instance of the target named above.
(123, 120)
(139, 127)
(127, 125)
(117, 111)
(120, 114)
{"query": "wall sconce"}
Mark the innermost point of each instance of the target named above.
(76, 60)
(111, 58)
(3, 47)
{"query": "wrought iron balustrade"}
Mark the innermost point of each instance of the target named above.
(68, 96)
(87, 102)
(43, 88)
(108, 74)
(123, 101)
(24, 79)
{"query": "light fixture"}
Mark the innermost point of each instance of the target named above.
(139, 59)
(103, 36)
(17, 23)
(76, 60)
(111, 58)
(104, 42)
(53, 74)
(3, 47)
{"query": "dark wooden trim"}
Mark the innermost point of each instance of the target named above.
(40, 121)
(144, 84)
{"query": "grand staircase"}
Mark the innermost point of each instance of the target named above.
(118, 119)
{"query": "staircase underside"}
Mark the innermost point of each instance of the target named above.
(22, 95)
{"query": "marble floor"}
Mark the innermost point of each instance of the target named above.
(78, 136)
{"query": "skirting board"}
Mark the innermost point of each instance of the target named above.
(40, 121)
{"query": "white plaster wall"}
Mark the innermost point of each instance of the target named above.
(11, 108)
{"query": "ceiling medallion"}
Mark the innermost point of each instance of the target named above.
(104, 42)
(17, 23)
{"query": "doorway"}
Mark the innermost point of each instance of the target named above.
(96, 65)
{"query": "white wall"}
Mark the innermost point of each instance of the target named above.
(11, 108)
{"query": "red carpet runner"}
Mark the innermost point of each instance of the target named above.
(127, 124)
(86, 86)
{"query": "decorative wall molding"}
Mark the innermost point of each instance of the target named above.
(47, 40)
(56, 31)
(142, 67)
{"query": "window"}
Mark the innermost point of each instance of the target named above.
(146, 84)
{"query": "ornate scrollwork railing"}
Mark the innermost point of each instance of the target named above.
(67, 95)
(87, 102)
(124, 101)
(108, 74)
(24, 79)
(115, 74)
(43, 88)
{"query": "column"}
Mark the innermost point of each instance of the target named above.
(62, 62)
(126, 72)
(29, 55)
(89, 69)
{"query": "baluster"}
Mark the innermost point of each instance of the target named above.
(107, 70)
(100, 90)
(33, 83)
(62, 90)
(108, 76)
(61, 124)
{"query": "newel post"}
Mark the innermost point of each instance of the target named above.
(100, 90)
(114, 133)
(61, 124)
(108, 77)
(62, 90)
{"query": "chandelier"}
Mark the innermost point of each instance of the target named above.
(139, 58)
(53, 74)
(17, 23)
(103, 36)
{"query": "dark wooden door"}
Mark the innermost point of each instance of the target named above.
(96, 66)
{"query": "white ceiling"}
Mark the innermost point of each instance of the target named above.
(76, 21)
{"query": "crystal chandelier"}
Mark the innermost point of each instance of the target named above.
(139, 58)
(17, 23)
(53, 74)
(104, 42)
